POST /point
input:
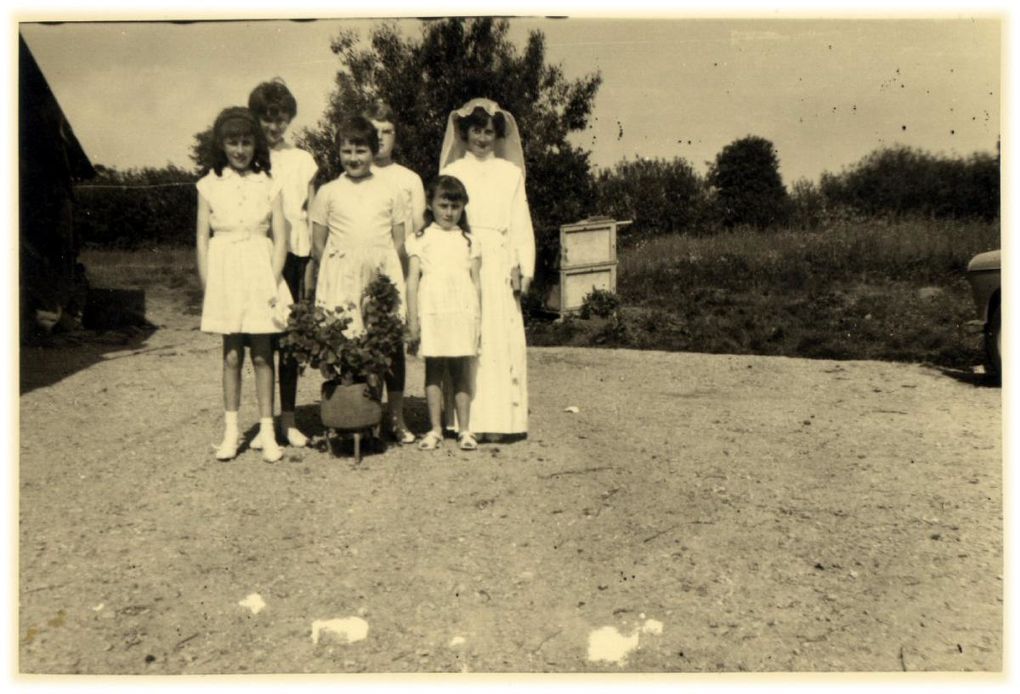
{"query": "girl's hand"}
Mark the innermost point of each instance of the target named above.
(413, 332)
(311, 276)
(413, 338)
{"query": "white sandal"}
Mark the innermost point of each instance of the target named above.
(226, 450)
(467, 442)
(431, 441)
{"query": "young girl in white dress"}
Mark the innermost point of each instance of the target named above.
(443, 299)
(482, 148)
(358, 233)
(241, 267)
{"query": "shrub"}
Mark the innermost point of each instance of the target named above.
(129, 209)
(903, 181)
(599, 302)
(659, 196)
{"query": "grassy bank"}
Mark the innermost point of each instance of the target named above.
(852, 291)
(856, 291)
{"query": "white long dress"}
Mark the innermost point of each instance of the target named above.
(500, 223)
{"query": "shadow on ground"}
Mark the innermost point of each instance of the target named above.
(113, 321)
(978, 380)
(309, 422)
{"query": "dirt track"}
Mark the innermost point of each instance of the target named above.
(770, 514)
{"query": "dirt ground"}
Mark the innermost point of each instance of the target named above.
(697, 513)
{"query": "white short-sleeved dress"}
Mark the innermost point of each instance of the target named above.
(241, 294)
(359, 215)
(501, 226)
(447, 298)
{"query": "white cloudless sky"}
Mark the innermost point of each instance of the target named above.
(826, 92)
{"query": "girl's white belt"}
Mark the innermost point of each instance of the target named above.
(238, 236)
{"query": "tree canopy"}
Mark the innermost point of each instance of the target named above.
(453, 60)
(660, 196)
(747, 185)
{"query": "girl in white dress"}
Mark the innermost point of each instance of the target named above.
(443, 299)
(358, 233)
(482, 148)
(241, 267)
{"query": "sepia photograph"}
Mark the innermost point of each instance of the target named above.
(498, 344)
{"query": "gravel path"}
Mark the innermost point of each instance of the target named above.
(698, 513)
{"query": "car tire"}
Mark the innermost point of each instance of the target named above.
(993, 345)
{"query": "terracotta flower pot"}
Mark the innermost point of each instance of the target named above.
(349, 407)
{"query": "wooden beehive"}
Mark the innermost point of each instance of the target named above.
(587, 262)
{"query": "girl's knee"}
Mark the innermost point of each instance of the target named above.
(261, 350)
(231, 359)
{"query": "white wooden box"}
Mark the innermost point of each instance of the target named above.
(587, 262)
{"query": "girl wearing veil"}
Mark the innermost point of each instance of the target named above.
(482, 148)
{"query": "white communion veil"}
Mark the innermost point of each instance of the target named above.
(508, 147)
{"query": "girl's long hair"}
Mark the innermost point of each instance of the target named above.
(238, 121)
(447, 188)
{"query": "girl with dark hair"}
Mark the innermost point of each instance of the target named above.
(443, 297)
(482, 148)
(241, 267)
(358, 222)
(295, 169)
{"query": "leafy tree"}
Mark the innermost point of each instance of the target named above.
(453, 60)
(899, 181)
(203, 150)
(659, 196)
(747, 185)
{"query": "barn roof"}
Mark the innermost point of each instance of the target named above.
(38, 108)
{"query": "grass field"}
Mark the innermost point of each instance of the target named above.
(854, 291)
(888, 291)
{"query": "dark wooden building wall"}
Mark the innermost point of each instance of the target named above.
(50, 160)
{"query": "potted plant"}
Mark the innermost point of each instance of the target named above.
(352, 365)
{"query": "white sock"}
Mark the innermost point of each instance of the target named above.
(271, 451)
(230, 432)
(266, 432)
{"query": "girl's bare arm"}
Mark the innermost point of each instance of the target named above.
(278, 227)
(413, 277)
(202, 240)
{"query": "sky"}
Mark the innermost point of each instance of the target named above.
(825, 91)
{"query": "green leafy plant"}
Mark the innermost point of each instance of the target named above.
(317, 337)
(600, 302)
